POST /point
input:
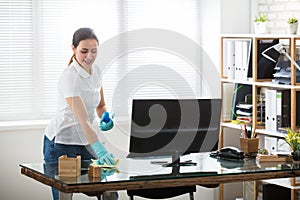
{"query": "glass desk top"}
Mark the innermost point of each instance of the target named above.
(146, 169)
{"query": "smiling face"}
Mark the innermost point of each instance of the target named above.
(86, 53)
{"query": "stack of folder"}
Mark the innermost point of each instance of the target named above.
(283, 73)
(239, 94)
(244, 111)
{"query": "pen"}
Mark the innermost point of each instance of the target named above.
(158, 162)
(249, 135)
(246, 135)
(254, 134)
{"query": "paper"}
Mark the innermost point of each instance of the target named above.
(244, 113)
(244, 106)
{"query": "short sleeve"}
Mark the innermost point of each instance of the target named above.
(68, 84)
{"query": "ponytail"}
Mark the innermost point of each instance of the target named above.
(71, 60)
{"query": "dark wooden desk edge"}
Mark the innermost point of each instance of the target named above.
(134, 185)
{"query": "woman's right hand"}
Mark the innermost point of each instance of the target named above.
(103, 155)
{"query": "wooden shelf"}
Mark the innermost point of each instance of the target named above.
(262, 36)
(257, 84)
(261, 84)
(259, 131)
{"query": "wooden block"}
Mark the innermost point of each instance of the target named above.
(69, 167)
(273, 158)
(95, 171)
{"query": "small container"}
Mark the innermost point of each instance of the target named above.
(95, 171)
(249, 145)
(69, 167)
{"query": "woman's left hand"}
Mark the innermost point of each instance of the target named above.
(106, 122)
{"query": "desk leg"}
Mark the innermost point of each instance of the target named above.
(65, 196)
(221, 138)
(293, 194)
(255, 187)
(221, 192)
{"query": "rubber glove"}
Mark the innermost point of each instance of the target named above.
(107, 172)
(106, 122)
(103, 155)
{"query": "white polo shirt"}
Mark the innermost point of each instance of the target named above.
(74, 82)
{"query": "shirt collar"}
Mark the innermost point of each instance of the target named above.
(80, 70)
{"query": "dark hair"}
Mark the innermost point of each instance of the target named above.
(82, 34)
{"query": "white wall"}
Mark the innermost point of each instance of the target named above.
(25, 146)
(21, 146)
(278, 13)
(235, 18)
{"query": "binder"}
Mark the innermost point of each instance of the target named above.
(246, 58)
(237, 58)
(238, 49)
(229, 58)
(270, 110)
(283, 102)
(298, 108)
(277, 109)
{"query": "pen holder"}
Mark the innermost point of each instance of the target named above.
(69, 167)
(249, 145)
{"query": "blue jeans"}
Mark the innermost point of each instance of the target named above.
(52, 151)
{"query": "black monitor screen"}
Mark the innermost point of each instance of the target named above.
(164, 126)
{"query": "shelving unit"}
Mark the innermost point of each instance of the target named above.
(290, 40)
(285, 182)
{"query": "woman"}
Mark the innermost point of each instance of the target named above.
(70, 132)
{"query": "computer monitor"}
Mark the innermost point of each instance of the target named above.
(174, 127)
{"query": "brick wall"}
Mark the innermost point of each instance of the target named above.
(278, 12)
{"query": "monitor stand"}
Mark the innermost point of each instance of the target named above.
(176, 161)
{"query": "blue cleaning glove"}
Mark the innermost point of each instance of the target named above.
(106, 122)
(103, 155)
(107, 172)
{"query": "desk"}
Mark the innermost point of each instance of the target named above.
(142, 174)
